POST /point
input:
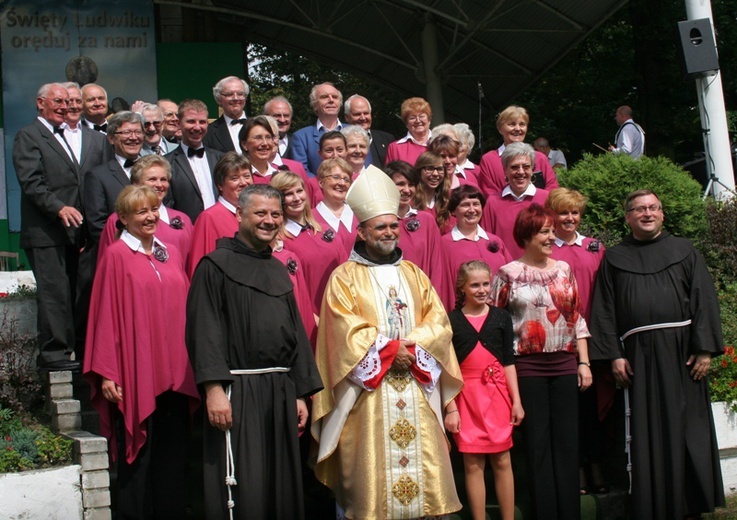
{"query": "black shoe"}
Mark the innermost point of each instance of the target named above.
(58, 366)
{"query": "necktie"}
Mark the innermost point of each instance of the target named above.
(238, 121)
(199, 152)
(129, 163)
(157, 150)
(100, 128)
(60, 131)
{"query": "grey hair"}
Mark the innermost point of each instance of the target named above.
(465, 134)
(263, 190)
(150, 107)
(124, 116)
(43, 90)
(347, 104)
(313, 94)
(217, 90)
(444, 129)
(71, 84)
(276, 99)
(273, 123)
(355, 130)
(513, 150)
(88, 85)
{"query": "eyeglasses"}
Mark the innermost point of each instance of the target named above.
(639, 210)
(156, 124)
(261, 139)
(431, 169)
(130, 133)
(338, 178)
(419, 117)
(237, 95)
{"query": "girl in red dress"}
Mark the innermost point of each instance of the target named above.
(489, 406)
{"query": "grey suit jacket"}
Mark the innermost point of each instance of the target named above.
(102, 185)
(184, 192)
(218, 136)
(49, 180)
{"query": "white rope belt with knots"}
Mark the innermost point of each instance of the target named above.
(229, 459)
(627, 409)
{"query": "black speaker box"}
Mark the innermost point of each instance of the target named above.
(698, 50)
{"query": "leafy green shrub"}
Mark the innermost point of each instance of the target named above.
(719, 243)
(607, 179)
(25, 444)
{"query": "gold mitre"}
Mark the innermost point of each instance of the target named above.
(372, 194)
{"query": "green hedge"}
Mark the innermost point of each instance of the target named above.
(607, 179)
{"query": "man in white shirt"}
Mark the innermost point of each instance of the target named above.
(280, 109)
(555, 157)
(230, 94)
(630, 138)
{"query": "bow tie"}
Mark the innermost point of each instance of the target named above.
(59, 130)
(129, 163)
(100, 128)
(199, 152)
(238, 121)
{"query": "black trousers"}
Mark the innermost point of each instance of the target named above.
(55, 270)
(154, 485)
(550, 432)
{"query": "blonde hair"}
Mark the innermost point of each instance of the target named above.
(286, 180)
(328, 164)
(561, 199)
(146, 162)
(464, 273)
(509, 113)
(131, 199)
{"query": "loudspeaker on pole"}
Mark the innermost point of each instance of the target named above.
(698, 50)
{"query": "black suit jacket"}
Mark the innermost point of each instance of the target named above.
(218, 136)
(49, 180)
(184, 193)
(102, 185)
(379, 144)
(288, 152)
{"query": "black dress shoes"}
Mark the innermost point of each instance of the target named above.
(58, 366)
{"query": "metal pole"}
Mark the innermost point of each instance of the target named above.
(713, 117)
(432, 79)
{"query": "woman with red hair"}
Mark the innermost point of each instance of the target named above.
(552, 360)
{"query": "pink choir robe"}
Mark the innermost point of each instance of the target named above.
(584, 259)
(490, 250)
(491, 173)
(302, 294)
(407, 151)
(178, 233)
(319, 259)
(419, 241)
(215, 222)
(500, 213)
(347, 237)
(135, 337)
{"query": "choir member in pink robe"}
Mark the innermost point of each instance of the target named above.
(433, 191)
(502, 208)
(357, 145)
(512, 124)
(136, 363)
(315, 244)
(335, 217)
(468, 241)
(416, 114)
(174, 228)
(332, 146)
(419, 239)
(584, 255)
(231, 175)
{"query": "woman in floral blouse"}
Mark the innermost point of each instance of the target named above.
(552, 363)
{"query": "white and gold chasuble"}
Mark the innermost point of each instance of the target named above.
(384, 452)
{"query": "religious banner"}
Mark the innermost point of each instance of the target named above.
(107, 42)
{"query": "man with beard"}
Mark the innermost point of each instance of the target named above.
(384, 354)
(253, 360)
(655, 315)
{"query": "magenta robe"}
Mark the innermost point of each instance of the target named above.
(135, 337)
(419, 241)
(296, 270)
(181, 238)
(491, 173)
(319, 259)
(407, 151)
(346, 238)
(500, 213)
(215, 222)
(491, 251)
(584, 261)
